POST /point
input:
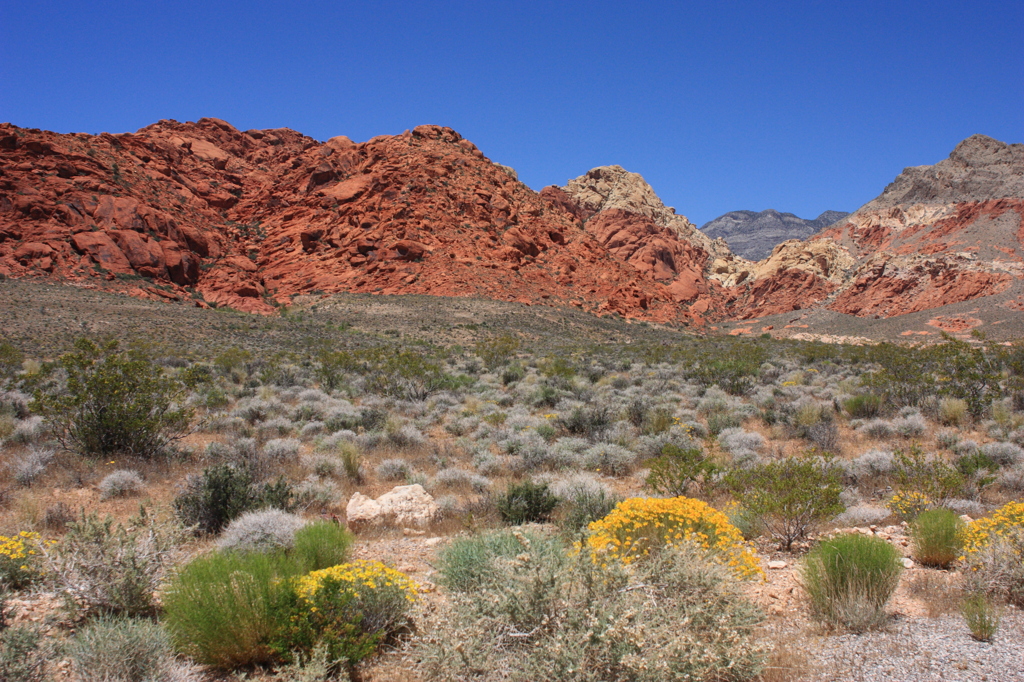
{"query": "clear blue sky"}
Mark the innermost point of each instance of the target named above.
(797, 106)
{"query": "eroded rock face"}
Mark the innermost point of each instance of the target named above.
(753, 235)
(404, 505)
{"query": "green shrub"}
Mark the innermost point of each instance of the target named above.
(981, 615)
(321, 545)
(224, 492)
(720, 421)
(512, 373)
(497, 351)
(526, 502)
(527, 608)
(849, 579)
(107, 568)
(936, 535)
(582, 505)
(787, 496)
(125, 650)
(867, 406)
(23, 655)
(113, 403)
(915, 471)
(222, 608)
(677, 469)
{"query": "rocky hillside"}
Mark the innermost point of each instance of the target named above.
(753, 235)
(204, 214)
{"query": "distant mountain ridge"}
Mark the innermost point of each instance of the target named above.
(753, 235)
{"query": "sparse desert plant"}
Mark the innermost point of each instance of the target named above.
(28, 430)
(105, 568)
(527, 609)
(393, 469)
(121, 483)
(871, 464)
(937, 537)
(947, 438)
(127, 650)
(879, 429)
(583, 502)
(953, 412)
(261, 531)
(861, 515)
(222, 493)
(315, 493)
(677, 469)
(113, 402)
(27, 468)
(849, 580)
(452, 477)
(1004, 454)
(865, 406)
(23, 655)
(609, 458)
(281, 449)
(930, 475)
(981, 615)
(526, 502)
(910, 426)
(788, 496)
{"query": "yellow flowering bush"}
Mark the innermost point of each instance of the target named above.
(1001, 524)
(639, 525)
(19, 559)
(349, 609)
(907, 504)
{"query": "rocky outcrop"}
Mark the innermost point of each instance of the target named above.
(404, 505)
(753, 235)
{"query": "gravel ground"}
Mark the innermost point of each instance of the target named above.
(919, 650)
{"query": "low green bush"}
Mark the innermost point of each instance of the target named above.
(677, 469)
(224, 492)
(849, 580)
(23, 655)
(981, 615)
(866, 406)
(583, 505)
(526, 502)
(788, 496)
(936, 536)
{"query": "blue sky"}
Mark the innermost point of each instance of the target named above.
(799, 106)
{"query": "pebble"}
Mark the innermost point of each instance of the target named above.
(776, 565)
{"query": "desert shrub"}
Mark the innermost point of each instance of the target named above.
(871, 464)
(1001, 523)
(825, 435)
(323, 464)
(861, 515)
(849, 579)
(586, 421)
(911, 426)
(121, 483)
(906, 505)
(57, 516)
(526, 502)
(947, 438)
(105, 568)
(677, 469)
(28, 430)
(497, 351)
(348, 608)
(866, 406)
(788, 496)
(31, 465)
(20, 560)
(1004, 454)
(222, 493)
(393, 469)
(720, 421)
(741, 444)
(512, 373)
(126, 650)
(113, 403)
(930, 475)
(936, 536)
(529, 610)
(981, 615)
(23, 655)
(220, 609)
(261, 531)
(320, 545)
(609, 458)
(316, 493)
(1011, 479)
(953, 412)
(460, 478)
(638, 527)
(281, 449)
(584, 500)
(996, 562)
(879, 429)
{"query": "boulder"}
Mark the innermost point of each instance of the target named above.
(405, 505)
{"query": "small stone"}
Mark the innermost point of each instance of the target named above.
(413, 531)
(907, 563)
(433, 542)
(776, 565)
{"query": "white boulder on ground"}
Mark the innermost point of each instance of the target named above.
(405, 505)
